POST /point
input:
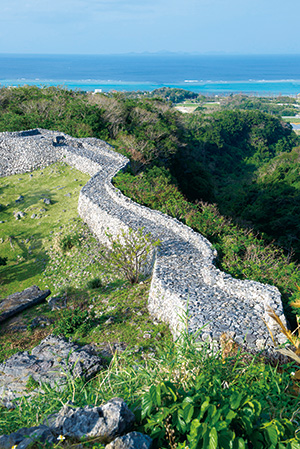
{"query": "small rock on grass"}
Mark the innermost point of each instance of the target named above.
(26, 436)
(133, 440)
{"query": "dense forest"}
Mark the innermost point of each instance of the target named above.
(232, 174)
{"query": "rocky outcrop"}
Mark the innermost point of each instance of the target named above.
(106, 422)
(187, 290)
(48, 362)
(109, 423)
(19, 301)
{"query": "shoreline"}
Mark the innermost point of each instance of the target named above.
(260, 88)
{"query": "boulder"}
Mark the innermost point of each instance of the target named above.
(133, 440)
(19, 301)
(26, 436)
(48, 362)
(106, 422)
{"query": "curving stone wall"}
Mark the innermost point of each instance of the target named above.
(185, 281)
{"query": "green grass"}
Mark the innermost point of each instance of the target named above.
(58, 251)
(26, 242)
(180, 366)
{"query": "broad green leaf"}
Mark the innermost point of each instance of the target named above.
(187, 400)
(158, 395)
(211, 411)
(204, 407)
(295, 445)
(230, 416)
(247, 424)
(256, 406)
(221, 425)
(173, 393)
(216, 418)
(188, 412)
(196, 433)
(235, 400)
(239, 443)
(225, 439)
(213, 439)
(257, 439)
(271, 434)
(168, 387)
(181, 424)
(147, 405)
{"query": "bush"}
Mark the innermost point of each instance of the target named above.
(72, 321)
(130, 252)
(68, 241)
(94, 283)
(211, 416)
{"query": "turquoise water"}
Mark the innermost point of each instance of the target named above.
(248, 87)
(258, 75)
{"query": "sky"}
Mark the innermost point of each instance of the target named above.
(124, 26)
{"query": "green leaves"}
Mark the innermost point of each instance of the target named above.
(130, 252)
(223, 419)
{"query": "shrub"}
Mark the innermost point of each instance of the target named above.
(72, 321)
(94, 283)
(130, 251)
(211, 416)
(68, 241)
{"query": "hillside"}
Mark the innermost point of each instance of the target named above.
(164, 375)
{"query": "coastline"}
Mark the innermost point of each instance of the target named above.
(250, 87)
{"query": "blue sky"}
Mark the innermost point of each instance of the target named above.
(122, 26)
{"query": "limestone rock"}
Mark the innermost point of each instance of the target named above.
(25, 436)
(19, 301)
(106, 422)
(47, 362)
(133, 440)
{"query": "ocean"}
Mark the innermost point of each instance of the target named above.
(215, 75)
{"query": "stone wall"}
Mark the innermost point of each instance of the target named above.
(185, 281)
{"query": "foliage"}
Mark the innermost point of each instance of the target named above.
(94, 283)
(3, 261)
(68, 241)
(130, 252)
(292, 337)
(241, 252)
(211, 416)
(222, 157)
(183, 377)
(50, 108)
(279, 106)
(31, 384)
(175, 95)
(74, 321)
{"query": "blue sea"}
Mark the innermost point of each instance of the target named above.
(217, 75)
